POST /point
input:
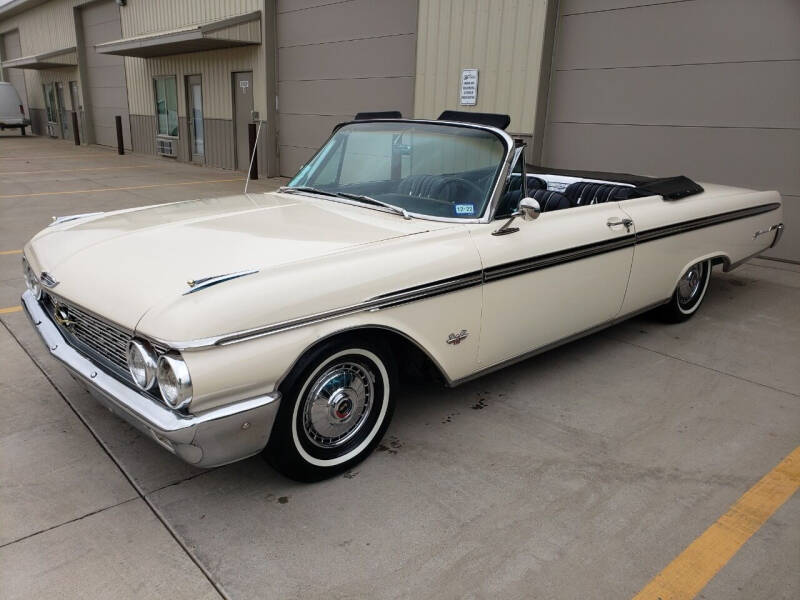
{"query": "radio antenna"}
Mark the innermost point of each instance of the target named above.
(253, 156)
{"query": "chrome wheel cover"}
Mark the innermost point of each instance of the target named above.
(338, 404)
(690, 285)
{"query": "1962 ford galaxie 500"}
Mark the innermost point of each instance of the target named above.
(282, 322)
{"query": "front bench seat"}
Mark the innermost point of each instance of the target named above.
(550, 200)
(421, 186)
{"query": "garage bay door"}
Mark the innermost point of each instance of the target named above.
(106, 91)
(336, 60)
(707, 88)
(11, 50)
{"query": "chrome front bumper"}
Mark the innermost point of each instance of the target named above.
(208, 439)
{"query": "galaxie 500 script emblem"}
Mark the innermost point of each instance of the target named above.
(456, 338)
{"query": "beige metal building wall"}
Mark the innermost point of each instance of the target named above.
(503, 39)
(708, 88)
(42, 29)
(215, 67)
(336, 59)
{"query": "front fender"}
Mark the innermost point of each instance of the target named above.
(222, 374)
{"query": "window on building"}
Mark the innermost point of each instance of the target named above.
(166, 105)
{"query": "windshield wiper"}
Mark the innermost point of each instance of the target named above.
(370, 200)
(303, 188)
(367, 199)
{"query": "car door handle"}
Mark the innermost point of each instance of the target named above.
(616, 222)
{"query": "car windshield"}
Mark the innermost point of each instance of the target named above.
(427, 169)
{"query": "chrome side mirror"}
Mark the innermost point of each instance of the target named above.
(529, 209)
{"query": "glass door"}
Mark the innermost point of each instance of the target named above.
(194, 102)
(51, 107)
(63, 117)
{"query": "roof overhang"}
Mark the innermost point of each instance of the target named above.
(14, 7)
(66, 57)
(241, 30)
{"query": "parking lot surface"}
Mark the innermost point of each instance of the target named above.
(585, 472)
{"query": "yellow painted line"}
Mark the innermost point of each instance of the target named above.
(693, 568)
(10, 309)
(67, 170)
(7, 252)
(117, 189)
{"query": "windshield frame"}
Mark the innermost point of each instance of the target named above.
(496, 188)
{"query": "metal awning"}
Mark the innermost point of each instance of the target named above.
(66, 57)
(241, 30)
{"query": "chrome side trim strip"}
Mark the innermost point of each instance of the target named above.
(488, 275)
(444, 286)
(556, 258)
(650, 235)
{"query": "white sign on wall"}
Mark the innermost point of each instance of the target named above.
(469, 87)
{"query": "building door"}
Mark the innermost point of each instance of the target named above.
(105, 85)
(194, 102)
(64, 121)
(722, 105)
(242, 117)
(77, 106)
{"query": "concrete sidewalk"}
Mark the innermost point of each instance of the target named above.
(580, 473)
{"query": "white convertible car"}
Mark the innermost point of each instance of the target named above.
(283, 322)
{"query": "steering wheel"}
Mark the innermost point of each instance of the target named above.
(466, 186)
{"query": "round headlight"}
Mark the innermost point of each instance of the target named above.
(174, 381)
(31, 281)
(142, 364)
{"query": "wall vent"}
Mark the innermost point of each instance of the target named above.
(166, 147)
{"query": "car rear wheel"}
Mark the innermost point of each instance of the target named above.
(688, 294)
(336, 406)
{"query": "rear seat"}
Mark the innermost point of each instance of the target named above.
(582, 193)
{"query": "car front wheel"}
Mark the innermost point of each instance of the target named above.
(336, 406)
(688, 294)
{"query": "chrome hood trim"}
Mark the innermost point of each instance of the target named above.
(195, 285)
(67, 218)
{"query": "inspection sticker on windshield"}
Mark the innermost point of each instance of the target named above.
(465, 209)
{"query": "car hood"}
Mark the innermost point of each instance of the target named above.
(121, 264)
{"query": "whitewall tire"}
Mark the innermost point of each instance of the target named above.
(688, 294)
(336, 406)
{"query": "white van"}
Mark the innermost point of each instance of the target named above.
(12, 113)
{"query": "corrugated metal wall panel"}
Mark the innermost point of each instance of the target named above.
(503, 39)
(219, 143)
(143, 133)
(149, 16)
(43, 29)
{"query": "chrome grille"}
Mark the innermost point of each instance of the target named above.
(92, 335)
(108, 341)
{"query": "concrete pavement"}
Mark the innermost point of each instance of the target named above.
(580, 473)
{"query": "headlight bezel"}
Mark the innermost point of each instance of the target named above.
(149, 366)
(176, 395)
(31, 280)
